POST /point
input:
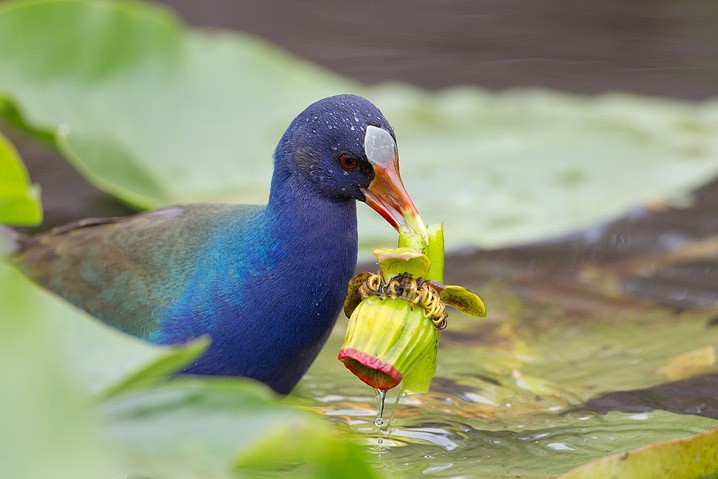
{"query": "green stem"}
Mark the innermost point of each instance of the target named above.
(431, 245)
(435, 252)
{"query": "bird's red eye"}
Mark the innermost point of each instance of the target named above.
(348, 162)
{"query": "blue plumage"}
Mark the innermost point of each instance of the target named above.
(265, 283)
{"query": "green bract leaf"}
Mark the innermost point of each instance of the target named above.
(395, 261)
(464, 300)
(419, 378)
(19, 200)
(692, 458)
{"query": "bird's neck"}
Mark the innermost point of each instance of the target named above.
(315, 237)
(294, 205)
(291, 264)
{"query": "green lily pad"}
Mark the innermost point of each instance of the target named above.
(19, 200)
(210, 428)
(136, 99)
(138, 102)
(46, 431)
(692, 458)
(103, 360)
(506, 168)
(692, 363)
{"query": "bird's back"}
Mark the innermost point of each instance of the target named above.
(127, 271)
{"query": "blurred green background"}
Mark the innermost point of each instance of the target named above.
(570, 148)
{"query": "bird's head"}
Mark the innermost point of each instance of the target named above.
(344, 148)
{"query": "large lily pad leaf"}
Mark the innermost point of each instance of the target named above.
(148, 102)
(512, 167)
(156, 113)
(46, 431)
(221, 429)
(19, 200)
(103, 360)
(693, 458)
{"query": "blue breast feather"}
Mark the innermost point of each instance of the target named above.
(267, 288)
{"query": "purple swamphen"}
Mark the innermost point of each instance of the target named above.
(265, 283)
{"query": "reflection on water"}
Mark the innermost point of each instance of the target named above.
(433, 435)
(512, 406)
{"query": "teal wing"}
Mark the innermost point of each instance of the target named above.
(126, 271)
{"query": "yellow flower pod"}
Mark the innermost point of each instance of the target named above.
(395, 315)
(385, 340)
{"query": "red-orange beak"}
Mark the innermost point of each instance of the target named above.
(386, 193)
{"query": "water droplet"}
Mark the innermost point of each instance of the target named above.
(380, 398)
